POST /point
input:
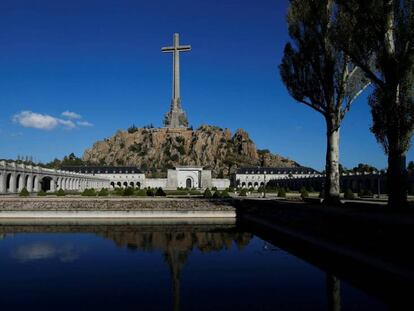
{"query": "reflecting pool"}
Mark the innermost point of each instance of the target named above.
(161, 266)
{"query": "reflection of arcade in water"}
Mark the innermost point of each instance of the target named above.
(176, 241)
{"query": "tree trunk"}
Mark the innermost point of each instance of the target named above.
(333, 286)
(332, 186)
(397, 180)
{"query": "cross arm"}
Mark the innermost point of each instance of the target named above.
(182, 48)
(168, 49)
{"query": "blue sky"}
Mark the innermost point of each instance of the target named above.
(101, 60)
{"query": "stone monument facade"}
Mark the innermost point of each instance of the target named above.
(176, 117)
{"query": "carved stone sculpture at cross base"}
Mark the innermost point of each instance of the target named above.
(176, 117)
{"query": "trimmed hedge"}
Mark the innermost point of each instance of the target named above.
(41, 193)
(89, 193)
(24, 193)
(103, 192)
(60, 193)
(160, 193)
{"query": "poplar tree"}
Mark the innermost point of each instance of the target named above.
(382, 46)
(321, 76)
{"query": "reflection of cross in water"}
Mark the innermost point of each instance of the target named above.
(176, 259)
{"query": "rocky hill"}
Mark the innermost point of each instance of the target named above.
(155, 150)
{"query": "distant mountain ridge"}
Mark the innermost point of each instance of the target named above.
(155, 150)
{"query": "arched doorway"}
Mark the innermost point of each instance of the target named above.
(138, 185)
(131, 184)
(112, 185)
(45, 184)
(189, 183)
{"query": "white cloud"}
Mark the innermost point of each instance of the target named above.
(46, 122)
(84, 123)
(71, 115)
(36, 120)
(67, 123)
(46, 250)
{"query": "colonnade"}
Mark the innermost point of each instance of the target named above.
(14, 177)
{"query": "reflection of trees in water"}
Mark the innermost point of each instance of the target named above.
(333, 286)
(186, 239)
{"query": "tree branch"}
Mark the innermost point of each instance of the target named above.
(349, 103)
(317, 108)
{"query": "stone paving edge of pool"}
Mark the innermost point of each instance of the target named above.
(114, 208)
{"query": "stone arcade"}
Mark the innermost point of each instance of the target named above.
(14, 177)
(181, 177)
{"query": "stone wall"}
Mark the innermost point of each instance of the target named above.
(112, 204)
(220, 184)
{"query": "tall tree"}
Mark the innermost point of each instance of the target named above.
(320, 76)
(383, 46)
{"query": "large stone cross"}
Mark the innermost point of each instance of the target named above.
(176, 49)
(176, 117)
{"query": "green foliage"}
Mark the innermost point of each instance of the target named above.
(364, 168)
(175, 158)
(303, 193)
(103, 192)
(281, 193)
(61, 193)
(243, 193)
(137, 148)
(24, 193)
(349, 195)
(312, 62)
(132, 129)
(322, 194)
(118, 191)
(382, 45)
(216, 195)
(160, 192)
(180, 139)
(365, 193)
(207, 193)
(141, 193)
(194, 192)
(180, 149)
(310, 189)
(225, 194)
(214, 189)
(89, 192)
(150, 192)
(128, 192)
(41, 193)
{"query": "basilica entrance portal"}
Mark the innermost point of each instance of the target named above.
(189, 183)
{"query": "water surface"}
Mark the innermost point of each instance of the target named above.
(167, 266)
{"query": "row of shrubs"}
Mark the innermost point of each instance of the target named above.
(208, 194)
(214, 193)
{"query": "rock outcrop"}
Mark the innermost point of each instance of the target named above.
(155, 150)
